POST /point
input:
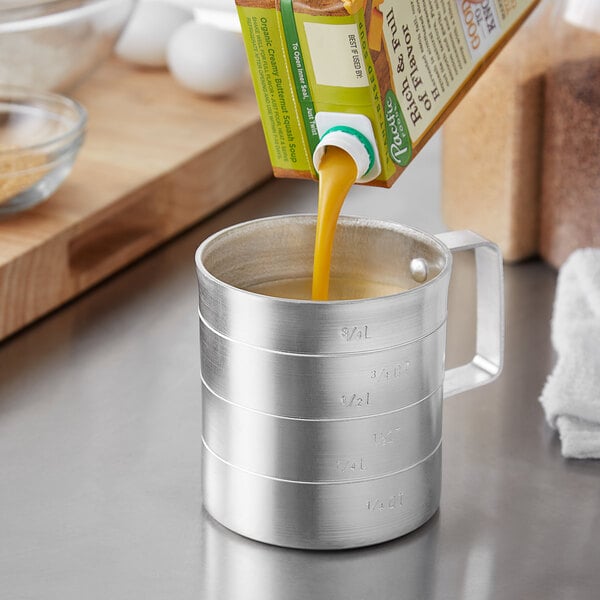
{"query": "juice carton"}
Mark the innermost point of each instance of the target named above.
(373, 77)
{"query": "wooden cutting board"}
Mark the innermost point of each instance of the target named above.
(156, 160)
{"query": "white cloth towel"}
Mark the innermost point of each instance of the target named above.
(571, 396)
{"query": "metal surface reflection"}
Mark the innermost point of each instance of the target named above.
(236, 568)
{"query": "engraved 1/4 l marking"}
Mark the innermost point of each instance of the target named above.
(381, 504)
(385, 374)
(356, 333)
(356, 400)
(344, 465)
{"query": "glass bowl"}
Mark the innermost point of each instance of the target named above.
(54, 44)
(40, 135)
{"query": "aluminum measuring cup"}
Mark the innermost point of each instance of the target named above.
(322, 420)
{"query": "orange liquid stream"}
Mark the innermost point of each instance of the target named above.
(337, 173)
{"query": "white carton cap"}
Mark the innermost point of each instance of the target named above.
(354, 134)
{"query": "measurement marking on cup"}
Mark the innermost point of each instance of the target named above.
(385, 438)
(356, 333)
(344, 465)
(384, 374)
(381, 504)
(355, 400)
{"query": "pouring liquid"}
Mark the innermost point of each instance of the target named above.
(337, 174)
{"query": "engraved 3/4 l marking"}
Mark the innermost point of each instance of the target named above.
(355, 333)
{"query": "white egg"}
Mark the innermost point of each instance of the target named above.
(144, 41)
(206, 59)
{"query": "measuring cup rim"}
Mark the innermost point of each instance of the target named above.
(367, 221)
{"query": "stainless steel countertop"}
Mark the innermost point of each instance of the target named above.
(100, 450)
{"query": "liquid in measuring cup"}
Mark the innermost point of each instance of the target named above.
(340, 288)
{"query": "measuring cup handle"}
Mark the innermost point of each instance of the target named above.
(486, 365)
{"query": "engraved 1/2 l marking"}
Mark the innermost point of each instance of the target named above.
(385, 374)
(381, 504)
(344, 465)
(356, 400)
(356, 333)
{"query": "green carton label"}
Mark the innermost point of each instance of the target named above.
(398, 138)
(283, 125)
(299, 74)
(402, 64)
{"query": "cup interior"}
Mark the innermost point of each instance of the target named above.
(280, 248)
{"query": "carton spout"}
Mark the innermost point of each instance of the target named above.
(354, 134)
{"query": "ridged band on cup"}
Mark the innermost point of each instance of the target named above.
(321, 516)
(322, 451)
(306, 327)
(322, 387)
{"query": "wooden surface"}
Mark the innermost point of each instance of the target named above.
(492, 146)
(156, 160)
